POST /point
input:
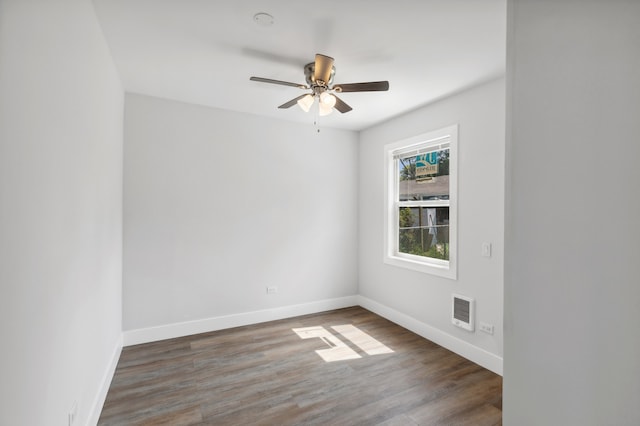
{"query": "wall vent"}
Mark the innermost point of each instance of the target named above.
(462, 311)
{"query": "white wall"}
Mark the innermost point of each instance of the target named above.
(219, 205)
(61, 108)
(479, 112)
(572, 277)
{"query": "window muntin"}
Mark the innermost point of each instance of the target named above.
(421, 200)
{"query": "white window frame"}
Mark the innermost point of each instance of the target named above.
(392, 255)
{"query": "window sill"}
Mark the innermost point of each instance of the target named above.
(446, 269)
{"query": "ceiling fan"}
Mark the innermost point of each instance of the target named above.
(319, 77)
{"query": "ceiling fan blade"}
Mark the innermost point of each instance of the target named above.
(323, 67)
(292, 102)
(283, 83)
(341, 106)
(372, 86)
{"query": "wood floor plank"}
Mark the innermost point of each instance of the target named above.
(470, 392)
(267, 374)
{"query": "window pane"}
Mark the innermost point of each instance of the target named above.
(424, 176)
(424, 231)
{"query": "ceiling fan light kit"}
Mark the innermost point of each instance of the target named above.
(319, 77)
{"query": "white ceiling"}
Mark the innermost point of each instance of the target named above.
(204, 51)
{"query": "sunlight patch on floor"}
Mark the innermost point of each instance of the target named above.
(338, 350)
(362, 340)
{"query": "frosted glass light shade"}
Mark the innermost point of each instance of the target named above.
(324, 109)
(328, 99)
(305, 103)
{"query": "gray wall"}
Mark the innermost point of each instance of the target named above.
(61, 108)
(219, 205)
(572, 276)
(480, 114)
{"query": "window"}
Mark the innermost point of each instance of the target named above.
(420, 214)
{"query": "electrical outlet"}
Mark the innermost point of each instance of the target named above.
(272, 289)
(487, 328)
(73, 413)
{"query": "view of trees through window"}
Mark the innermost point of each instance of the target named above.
(423, 208)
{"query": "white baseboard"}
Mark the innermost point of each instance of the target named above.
(98, 403)
(467, 350)
(484, 358)
(170, 331)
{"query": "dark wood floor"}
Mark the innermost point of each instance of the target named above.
(267, 374)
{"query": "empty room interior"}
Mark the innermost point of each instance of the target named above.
(287, 212)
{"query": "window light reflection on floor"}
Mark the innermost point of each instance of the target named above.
(338, 350)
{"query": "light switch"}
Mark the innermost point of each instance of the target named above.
(486, 249)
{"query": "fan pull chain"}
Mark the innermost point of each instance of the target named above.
(316, 120)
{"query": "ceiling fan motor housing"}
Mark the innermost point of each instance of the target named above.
(309, 73)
